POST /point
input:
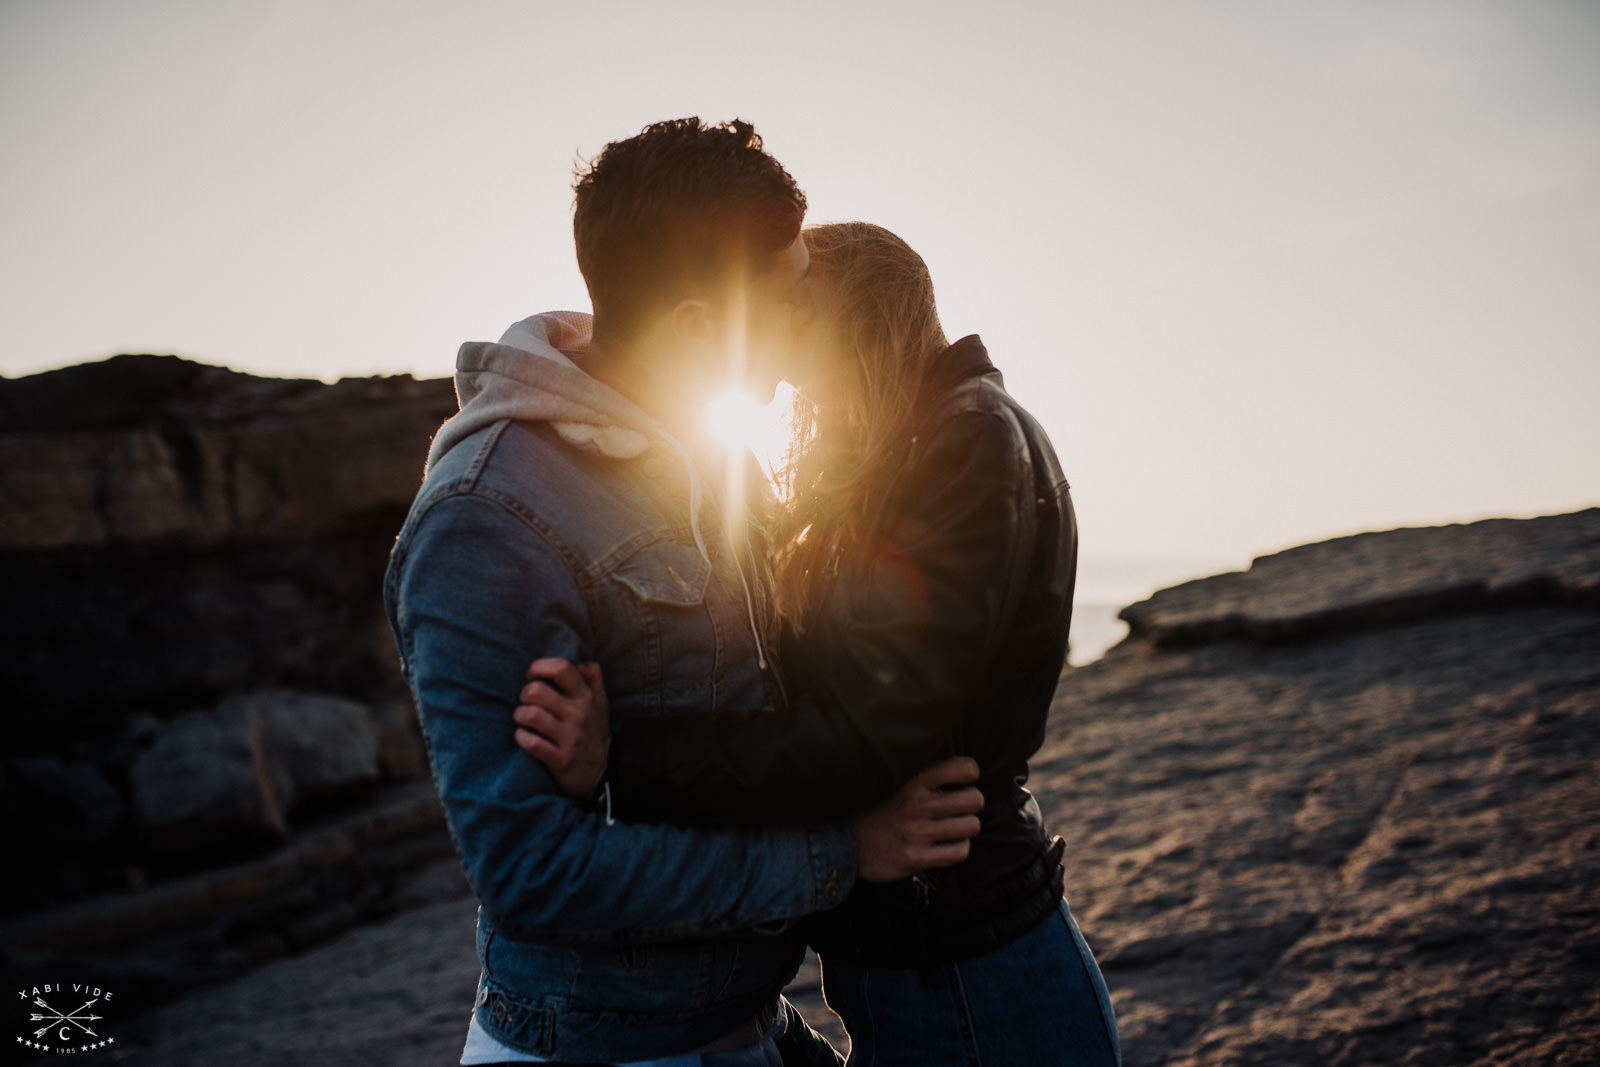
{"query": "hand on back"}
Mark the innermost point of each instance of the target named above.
(928, 822)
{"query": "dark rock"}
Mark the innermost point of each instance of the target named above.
(401, 755)
(203, 792)
(58, 824)
(176, 533)
(318, 749)
(88, 807)
(206, 928)
(224, 783)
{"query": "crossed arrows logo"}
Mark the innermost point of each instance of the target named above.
(55, 1018)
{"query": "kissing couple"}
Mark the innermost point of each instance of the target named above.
(683, 726)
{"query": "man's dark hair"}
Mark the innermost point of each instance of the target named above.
(677, 211)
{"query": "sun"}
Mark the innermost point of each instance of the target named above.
(734, 419)
(738, 422)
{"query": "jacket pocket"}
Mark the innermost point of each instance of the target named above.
(666, 573)
(663, 633)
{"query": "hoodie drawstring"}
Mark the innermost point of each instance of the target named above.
(749, 605)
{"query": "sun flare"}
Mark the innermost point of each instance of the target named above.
(738, 422)
(734, 419)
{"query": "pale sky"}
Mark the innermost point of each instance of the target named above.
(1267, 271)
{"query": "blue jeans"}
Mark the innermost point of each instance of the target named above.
(1039, 1001)
(788, 1041)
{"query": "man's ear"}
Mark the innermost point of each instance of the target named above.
(693, 324)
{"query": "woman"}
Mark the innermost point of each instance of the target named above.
(923, 563)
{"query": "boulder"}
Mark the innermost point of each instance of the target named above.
(319, 749)
(203, 792)
(229, 781)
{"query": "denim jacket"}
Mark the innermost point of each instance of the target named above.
(598, 940)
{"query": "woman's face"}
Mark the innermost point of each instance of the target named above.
(818, 365)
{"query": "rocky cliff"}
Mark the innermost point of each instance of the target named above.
(192, 561)
(174, 532)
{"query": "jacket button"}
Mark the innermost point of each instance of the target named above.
(830, 894)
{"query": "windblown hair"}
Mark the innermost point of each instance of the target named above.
(683, 209)
(843, 454)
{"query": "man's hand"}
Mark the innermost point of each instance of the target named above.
(927, 823)
(565, 723)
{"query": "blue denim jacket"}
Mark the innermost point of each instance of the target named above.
(597, 941)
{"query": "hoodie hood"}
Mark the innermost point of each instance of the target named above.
(529, 376)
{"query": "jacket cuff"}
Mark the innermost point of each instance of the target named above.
(832, 846)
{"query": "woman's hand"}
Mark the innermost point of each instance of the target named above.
(927, 823)
(565, 723)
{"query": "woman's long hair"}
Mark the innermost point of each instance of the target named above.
(842, 452)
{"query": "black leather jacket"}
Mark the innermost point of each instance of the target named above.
(943, 633)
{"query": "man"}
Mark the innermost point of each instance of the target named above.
(565, 514)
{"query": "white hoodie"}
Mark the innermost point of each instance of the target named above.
(529, 376)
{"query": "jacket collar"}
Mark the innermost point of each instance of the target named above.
(966, 358)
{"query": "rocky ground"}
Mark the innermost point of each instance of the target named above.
(1373, 843)
(393, 993)
(1378, 848)
(1344, 807)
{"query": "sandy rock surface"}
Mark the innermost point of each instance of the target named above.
(1378, 849)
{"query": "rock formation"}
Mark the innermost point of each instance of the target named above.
(174, 533)
(1344, 808)
(1380, 579)
(175, 536)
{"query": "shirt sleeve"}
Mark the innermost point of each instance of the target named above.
(475, 595)
(908, 630)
